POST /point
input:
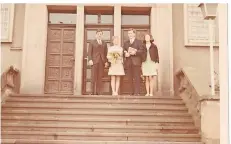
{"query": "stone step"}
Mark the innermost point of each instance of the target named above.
(95, 106)
(95, 126)
(88, 100)
(86, 119)
(40, 117)
(25, 141)
(95, 123)
(88, 136)
(98, 128)
(95, 112)
(98, 96)
(118, 130)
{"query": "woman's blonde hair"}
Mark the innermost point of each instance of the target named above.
(114, 37)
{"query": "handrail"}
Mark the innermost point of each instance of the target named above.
(10, 82)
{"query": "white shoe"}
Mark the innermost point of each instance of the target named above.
(151, 95)
(147, 94)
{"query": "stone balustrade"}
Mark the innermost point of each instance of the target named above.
(10, 82)
(189, 95)
(194, 89)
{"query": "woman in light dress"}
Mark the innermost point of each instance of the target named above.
(150, 63)
(116, 69)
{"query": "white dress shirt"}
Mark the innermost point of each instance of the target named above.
(99, 41)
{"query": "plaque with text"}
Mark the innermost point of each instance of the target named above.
(196, 28)
(7, 21)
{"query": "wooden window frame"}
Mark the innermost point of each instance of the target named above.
(99, 21)
(60, 23)
(61, 9)
(140, 11)
(98, 10)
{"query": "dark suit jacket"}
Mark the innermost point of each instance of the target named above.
(134, 59)
(97, 52)
(153, 51)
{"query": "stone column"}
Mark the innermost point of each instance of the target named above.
(171, 59)
(79, 50)
(117, 22)
(154, 27)
(34, 49)
(223, 71)
(154, 24)
(162, 32)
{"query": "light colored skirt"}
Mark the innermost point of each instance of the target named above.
(116, 69)
(149, 68)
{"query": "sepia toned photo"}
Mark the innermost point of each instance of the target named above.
(114, 73)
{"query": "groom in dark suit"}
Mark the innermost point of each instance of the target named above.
(97, 56)
(133, 51)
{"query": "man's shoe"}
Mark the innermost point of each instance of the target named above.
(131, 94)
(95, 93)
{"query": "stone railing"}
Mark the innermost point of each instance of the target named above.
(189, 94)
(195, 91)
(10, 82)
(210, 119)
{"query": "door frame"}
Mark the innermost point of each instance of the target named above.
(84, 70)
(46, 62)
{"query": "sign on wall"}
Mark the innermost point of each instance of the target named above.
(7, 21)
(196, 30)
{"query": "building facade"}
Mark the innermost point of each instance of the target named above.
(48, 42)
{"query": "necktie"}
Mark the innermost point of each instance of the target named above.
(131, 41)
(99, 41)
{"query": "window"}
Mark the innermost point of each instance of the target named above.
(62, 18)
(91, 19)
(135, 20)
(98, 19)
(106, 19)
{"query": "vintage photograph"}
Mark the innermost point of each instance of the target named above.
(114, 73)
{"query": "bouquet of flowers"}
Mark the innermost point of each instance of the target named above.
(113, 56)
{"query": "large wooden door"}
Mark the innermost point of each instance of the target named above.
(125, 88)
(87, 76)
(60, 60)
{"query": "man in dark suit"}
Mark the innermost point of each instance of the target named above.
(133, 61)
(97, 56)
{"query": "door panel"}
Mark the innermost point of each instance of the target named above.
(87, 76)
(60, 60)
(125, 89)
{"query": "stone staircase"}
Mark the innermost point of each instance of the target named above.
(63, 119)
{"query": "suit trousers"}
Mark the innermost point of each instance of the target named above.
(133, 72)
(97, 75)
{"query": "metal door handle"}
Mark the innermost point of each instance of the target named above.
(72, 59)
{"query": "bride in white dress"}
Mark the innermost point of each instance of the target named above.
(116, 69)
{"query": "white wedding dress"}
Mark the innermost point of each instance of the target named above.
(116, 68)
